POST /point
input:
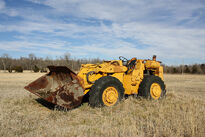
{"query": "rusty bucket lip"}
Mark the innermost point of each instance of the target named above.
(55, 70)
(64, 69)
(27, 88)
(60, 69)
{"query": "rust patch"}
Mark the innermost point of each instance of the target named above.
(41, 82)
(60, 86)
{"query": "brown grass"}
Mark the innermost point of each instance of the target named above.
(181, 113)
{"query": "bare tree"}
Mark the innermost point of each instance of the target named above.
(67, 59)
(6, 62)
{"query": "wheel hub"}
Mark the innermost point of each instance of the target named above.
(155, 90)
(110, 96)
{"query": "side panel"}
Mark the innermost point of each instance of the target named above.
(127, 83)
(155, 67)
(159, 72)
(119, 76)
(133, 79)
(152, 64)
(85, 69)
(92, 72)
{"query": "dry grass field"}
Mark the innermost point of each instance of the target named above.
(181, 113)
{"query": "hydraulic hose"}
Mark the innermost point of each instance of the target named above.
(87, 77)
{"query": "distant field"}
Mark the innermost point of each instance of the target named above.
(181, 113)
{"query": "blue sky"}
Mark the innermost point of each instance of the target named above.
(174, 30)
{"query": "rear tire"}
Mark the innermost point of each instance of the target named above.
(152, 87)
(106, 91)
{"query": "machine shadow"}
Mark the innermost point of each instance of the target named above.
(45, 103)
(55, 107)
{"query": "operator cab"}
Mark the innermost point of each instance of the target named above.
(130, 64)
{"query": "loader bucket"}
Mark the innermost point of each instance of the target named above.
(60, 86)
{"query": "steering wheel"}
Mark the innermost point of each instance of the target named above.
(124, 60)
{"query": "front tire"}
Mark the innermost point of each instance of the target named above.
(106, 91)
(152, 87)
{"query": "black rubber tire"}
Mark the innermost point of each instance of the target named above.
(96, 91)
(144, 88)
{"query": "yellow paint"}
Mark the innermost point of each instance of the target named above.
(130, 79)
(114, 67)
(110, 96)
(155, 91)
(152, 64)
(133, 79)
(127, 83)
(86, 91)
(119, 76)
(160, 72)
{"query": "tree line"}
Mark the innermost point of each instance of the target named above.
(36, 64)
(190, 69)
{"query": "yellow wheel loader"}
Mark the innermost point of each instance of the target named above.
(105, 83)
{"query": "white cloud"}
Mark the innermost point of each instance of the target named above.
(173, 42)
(51, 49)
(167, 42)
(7, 11)
(2, 4)
(18, 45)
(151, 27)
(120, 11)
